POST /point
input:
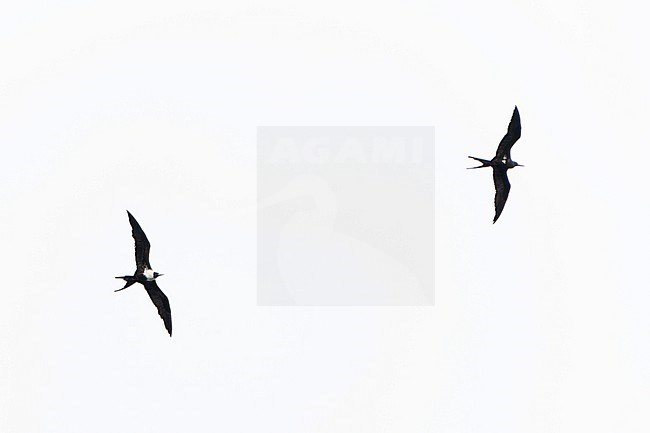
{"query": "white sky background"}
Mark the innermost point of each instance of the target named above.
(540, 321)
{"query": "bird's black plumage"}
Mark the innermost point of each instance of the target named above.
(502, 187)
(161, 302)
(501, 163)
(511, 137)
(145, 276)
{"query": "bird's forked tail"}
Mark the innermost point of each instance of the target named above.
(130, 280)
(484, 162)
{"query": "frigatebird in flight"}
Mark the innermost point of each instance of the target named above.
(145, 276)
(501, 163)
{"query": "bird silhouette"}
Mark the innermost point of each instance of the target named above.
(145, 276)
(501, 163)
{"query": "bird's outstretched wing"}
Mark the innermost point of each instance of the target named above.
(142, 245)
(161, 302)
(511, 137)
(502, 187)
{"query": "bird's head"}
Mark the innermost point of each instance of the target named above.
(156, 275)
(514, 164)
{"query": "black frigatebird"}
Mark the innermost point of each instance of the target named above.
(145, 276)
(502, 162)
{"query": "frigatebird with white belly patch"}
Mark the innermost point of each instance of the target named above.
(501, 163)
(146, 276)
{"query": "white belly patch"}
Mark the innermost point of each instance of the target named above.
(149, 274)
